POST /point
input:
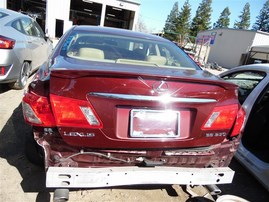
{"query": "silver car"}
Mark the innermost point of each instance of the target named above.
(23, 47)
(253, 152)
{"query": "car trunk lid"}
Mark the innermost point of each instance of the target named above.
(104, 105)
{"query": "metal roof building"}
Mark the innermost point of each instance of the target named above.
(55, 17)
(228, 47)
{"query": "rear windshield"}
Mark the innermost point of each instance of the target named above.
(2, 15)
(128, 50)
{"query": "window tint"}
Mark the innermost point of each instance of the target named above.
(128, 50)
(2, 15)
(246, 80)
(29, 27)
(18, 26)
(39, 31)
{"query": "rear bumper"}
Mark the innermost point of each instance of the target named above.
(68, 177)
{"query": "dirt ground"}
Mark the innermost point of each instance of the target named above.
(22, 181)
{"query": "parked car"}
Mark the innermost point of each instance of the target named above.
(116, 107)
(23, 47)
(253, 152)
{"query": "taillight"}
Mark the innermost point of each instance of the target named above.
(37, 110)
(2, 70)
(6, 43)
(240, 119)
(71, 112)
(221, 118)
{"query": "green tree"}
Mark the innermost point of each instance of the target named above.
(224, 20)
(170, 27)
(184, 18)
(244, 18)
(262, 20)
(202, 18)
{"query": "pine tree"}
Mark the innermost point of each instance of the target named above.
(262, 22)
(170, 27)
(224, 20)
(184, 17)
(244, 18)
(202, 18)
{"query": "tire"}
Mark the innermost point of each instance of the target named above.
(34, 152)
(23, 77)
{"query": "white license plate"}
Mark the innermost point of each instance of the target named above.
(154, 123)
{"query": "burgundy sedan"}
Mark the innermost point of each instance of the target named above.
(116, 107)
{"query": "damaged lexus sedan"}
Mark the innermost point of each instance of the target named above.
(115, 107)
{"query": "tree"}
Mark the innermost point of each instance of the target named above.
(224, 20)
(244, 18)
(141, 26)
(170, 27)
(262, 22)
(184, 17)
(202, 18)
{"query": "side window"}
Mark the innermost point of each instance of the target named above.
(3, 15)
(18, 26)
(39, 31)
(28, 27)
(246, 81)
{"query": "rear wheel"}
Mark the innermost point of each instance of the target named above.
(23, 77)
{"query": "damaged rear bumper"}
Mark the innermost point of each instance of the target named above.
(69, 177)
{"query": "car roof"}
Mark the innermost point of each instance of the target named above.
(122, 32)
(262, 67)
(251, 67)
(10, 15)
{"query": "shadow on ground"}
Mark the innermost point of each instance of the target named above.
(12, 148)
(245, 185)
(4, 88)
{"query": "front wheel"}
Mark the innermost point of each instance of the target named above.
(23, 77)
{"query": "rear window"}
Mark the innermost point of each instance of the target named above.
(127, 50)
(2, 15)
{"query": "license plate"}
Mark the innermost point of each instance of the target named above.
(154, 123)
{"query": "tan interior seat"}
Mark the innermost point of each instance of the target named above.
(91, 53)
(158, 60)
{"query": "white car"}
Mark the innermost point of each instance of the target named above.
(253, 152)
(23, 47)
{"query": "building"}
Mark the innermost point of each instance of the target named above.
(228, 47)
(56, 16)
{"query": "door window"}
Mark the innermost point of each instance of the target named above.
(246, 80)
(28, 27)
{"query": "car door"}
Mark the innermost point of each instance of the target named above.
(253, 152)
(35, 43)
(46, 44)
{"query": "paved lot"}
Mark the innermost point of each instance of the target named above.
(22, 181)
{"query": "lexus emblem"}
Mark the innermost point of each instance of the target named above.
(160, 87)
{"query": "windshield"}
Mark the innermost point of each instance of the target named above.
(122, 49)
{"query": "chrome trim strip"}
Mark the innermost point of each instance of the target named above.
(165, 98)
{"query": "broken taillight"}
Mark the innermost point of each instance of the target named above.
(6, 43)
(221, 118)
(59, 111)
(37, 110)
(240, 119)
(71, 112)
